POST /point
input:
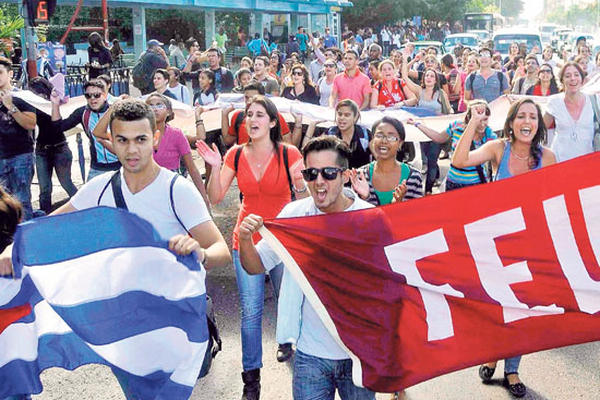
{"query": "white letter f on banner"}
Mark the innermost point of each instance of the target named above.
(403, 257)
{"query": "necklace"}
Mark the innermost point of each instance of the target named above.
(518, 157)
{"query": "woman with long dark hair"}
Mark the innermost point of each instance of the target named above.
(302, 88)
(52, 151)
(519, 152)
(99, 57)
(546, 83)
(266, 184)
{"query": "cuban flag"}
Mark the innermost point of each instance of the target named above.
(100, 286)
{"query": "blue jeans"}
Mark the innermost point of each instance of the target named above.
(511, 365)
(431, 151)
(16, 174)
(252, 298)
(317, 378)
(58, 158)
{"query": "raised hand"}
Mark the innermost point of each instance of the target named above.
(210, 156)
(359, 183)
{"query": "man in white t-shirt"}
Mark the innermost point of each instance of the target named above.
(146, 189)
(321, 365)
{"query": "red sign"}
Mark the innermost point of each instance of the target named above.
(418, 289)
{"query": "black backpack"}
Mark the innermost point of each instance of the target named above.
(142, 72)
(214, 338)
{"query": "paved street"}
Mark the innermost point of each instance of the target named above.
(560, 374)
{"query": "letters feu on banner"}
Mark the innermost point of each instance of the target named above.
(422, 288)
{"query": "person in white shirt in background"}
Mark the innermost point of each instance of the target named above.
(180, 91)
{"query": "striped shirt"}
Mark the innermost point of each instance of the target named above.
(468, 175)
(414, 186)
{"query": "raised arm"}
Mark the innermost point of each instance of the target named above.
(101, 128)
(463, 156)
(438, 137)
(220, 178)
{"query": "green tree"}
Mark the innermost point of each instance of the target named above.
(10, 23)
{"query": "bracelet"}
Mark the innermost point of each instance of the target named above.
(199, 122)
(299, 191)
(417, 124)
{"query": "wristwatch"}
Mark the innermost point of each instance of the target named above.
(13, 110)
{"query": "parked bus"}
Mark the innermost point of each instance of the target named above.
(482, 21)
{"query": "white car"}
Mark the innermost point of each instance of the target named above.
(481, 34)
(465, 39)
(505, 37)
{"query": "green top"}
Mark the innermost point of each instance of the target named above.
(386, 197)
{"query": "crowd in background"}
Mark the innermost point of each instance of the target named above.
(368, 69)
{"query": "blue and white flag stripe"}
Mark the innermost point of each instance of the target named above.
(104, 289)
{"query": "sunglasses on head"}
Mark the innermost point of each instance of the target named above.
(92, 95)
(329, 173)
(329, 65)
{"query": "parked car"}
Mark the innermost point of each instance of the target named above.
(504, 38)
(481, 34)
(465, 39)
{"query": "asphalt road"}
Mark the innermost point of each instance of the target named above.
(559, 374)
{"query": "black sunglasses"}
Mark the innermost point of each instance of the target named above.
(92, 95)
(329, 173)
(298, 73)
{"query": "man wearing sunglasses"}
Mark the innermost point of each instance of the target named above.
(532, 66)
(320, 365)
(101, 158)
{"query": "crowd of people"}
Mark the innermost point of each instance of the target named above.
(283, 172)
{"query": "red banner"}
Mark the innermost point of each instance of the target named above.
(418, 289)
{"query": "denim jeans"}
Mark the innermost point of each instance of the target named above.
(431, 151)
(16, 174)
(58, 158)
(252, 295)
(317, 378)
(511, 365)
(95, 172)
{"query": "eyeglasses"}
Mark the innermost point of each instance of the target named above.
(391, 139)
(298, 73)
(92, 95)
(158, 106)
(329, 173)
(485, 55)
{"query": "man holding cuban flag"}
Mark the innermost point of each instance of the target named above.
(113, 294)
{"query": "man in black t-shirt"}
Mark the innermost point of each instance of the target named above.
(17, 119)
(223, 77)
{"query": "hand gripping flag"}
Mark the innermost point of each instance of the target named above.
(100, 286)
(418, 289)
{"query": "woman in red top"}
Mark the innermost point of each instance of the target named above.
(265, 184)
(546, 83)
(391, 91)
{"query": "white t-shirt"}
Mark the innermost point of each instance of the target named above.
(571, 138)
(153, 203)
(182, 93)
(324, 91)
(315, 339)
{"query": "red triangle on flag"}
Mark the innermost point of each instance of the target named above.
(10, 315)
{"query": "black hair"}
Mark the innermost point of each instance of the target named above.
(271, 109)
(163, 72)
(94, 83)
(6, 63)
(105, 78)
(132, 110)
(329, 142)
(398, 126)
(41, 86)
(255, 86)
(166, 101)
(95, 40)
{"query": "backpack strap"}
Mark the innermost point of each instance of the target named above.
(104, 189)
(239, 118)
(501, 80)
(472, 79)
(286, 163)
(236, 160)
(401, 88)
(85, 119)
(115, 183)
(172, 185)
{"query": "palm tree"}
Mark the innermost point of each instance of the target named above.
(9, 26)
